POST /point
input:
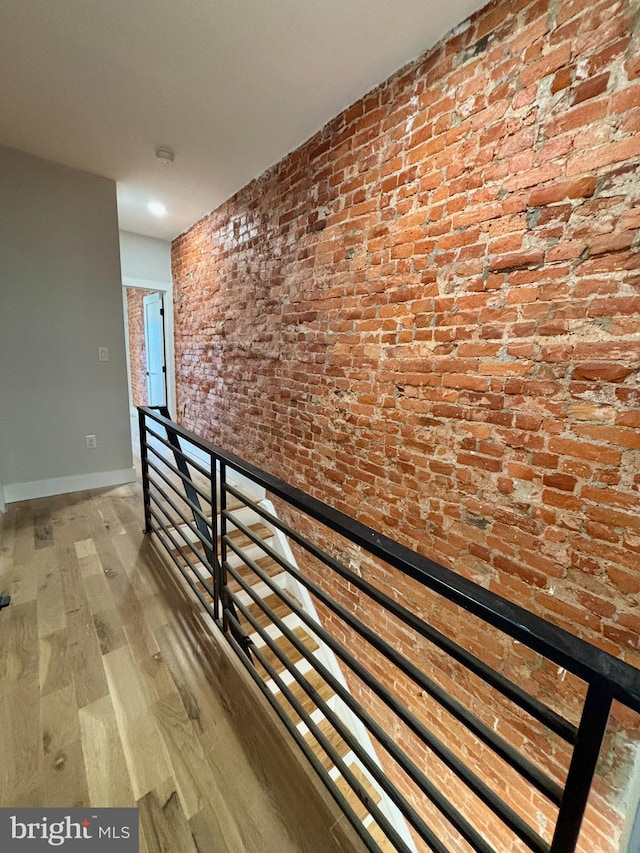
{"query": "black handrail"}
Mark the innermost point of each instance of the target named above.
(607, 678)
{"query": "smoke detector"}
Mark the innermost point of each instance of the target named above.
(164, 155)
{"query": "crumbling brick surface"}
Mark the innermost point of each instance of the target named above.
(428, 316)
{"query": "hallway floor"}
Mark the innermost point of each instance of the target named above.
(112, 692)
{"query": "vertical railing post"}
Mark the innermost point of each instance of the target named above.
(591, 732)
(216, 568)
(144, 465)
(223, 547)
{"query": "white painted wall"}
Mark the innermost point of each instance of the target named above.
(146, 264)
(60, 298)
(145, 258)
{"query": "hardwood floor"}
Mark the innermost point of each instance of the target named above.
(115, 692)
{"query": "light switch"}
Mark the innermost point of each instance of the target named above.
(103, 354)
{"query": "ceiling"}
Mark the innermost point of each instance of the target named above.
(231, 86)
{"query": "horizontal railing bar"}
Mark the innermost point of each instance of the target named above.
(203, 579)
(503, 685)
(299, 739)
(495, 742)
(201, 522)
(411, 769)
(184, 553)
(202, 536)
(190, 504)
(330, 715)
(180, 451)
(180, 568)
(470, 779)
(184, 477)
(574, 654)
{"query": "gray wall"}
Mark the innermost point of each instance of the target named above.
(60, 298)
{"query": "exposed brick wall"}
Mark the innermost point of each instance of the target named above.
(428, 315)
(137, 354)
(541, 679)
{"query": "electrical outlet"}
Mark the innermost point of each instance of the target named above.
(91, 442)
(103, 354)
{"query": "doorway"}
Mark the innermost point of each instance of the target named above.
(147, 348)
(153, 312)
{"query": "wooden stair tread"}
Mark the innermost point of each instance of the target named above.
(267, 564)
(242, 540)
(350, 795)
(334, 738)
(202, 588)
(288, 648)
(195, 550)
(232, 506)
(280, 608)
(307, 702)
(380, 838)
(232, 503)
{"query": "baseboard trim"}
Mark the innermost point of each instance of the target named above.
(64, 485)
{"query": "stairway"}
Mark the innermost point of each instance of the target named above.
(280, 679)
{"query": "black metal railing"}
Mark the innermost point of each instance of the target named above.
(204, 545)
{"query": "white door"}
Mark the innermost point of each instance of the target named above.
(154, 348)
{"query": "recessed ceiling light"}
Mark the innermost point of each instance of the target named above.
(157, 209)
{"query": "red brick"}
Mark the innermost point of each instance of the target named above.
(614, 518)
(628, 419)
(590, 88)
(560, 190)
(605, 155)
(584, 450)
(477, 461)
(561, 500)
(601, 371)
(531, 576)
(453, 356)
(621, 636)
(612, 497)
(560, 481)
(626, 582)
(612, 435)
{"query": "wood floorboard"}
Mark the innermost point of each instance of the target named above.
(20, 738)
(192, 772)
(20, 643)
(65, 779)
(107, 774)
(114, 692)
(60, 724)
(109, 630)
(55, 672)
(51, 613)
(210, 831)
(146, 758)
(165, 826)
(84, 656)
